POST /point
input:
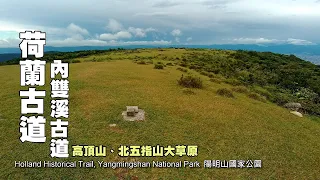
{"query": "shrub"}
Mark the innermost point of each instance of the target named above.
(311, 108)
(141, 62)
(183, 64)
(262, 92)
(306, 94)
(150, 62)
(225, 92)
(233, 82)
(76, 61)
(204, 73)
(169, 64)
(158, 66)
(182, 69)
(281, 98)
(190, 82)
(240, 89)
(257, 97)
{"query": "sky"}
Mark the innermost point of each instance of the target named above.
(162, 22)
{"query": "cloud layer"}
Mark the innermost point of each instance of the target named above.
(120, 22)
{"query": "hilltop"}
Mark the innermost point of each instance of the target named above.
(236, 113)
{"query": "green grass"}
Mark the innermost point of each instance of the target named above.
(223, 128)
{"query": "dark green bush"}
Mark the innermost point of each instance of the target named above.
(262, 92)
(141, 62)
(233, 82)
(225, 92)
(182, 69)
(158, 66)
(169, 64)
(76, 61)
(190, 82)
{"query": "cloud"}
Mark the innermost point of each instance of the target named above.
(271, 41)
(166, 4)
(95, 42)
(161, 42)
(10, 42)
(243, 21)
(299, 42)
(77, 42)
(114, 25)
(189, 39)
(176, 32)
(139, 32)
(118, 35)
(217, 3)
(254, 41)
(77, 29)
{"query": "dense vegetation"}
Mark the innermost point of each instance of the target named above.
(50, 56)
(278, 78)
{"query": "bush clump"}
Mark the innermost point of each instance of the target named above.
(225, 92)
(190, 82)
(169, 64)
(141, 62)
(182, 69)
(158, 66)
(240, 89)
(262, 92)
(75, 61)
(150, 61)
(257, 97)
(233, 82)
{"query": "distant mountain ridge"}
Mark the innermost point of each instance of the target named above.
(309, 53)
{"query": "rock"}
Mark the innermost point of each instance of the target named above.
(135, 108)
(112, 125)
(293, 106)
(133, 113)
(130, 112)
(296, 113)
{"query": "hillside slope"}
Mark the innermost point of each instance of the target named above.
(223, 128)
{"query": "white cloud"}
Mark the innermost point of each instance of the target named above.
(139, 32)
(10, 42)
(161, 42)
(118, 35)
(77, 29)
(166, 4)
(95, 42)
(189, 39)
(299, 42)
(271, 41)
(177, 39)
(176, 32)
(114, 25)
(77, 42)
(255, 41)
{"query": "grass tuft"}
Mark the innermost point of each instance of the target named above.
(190, 82)
(225, 92)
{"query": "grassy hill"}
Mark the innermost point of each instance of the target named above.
(224, 128)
